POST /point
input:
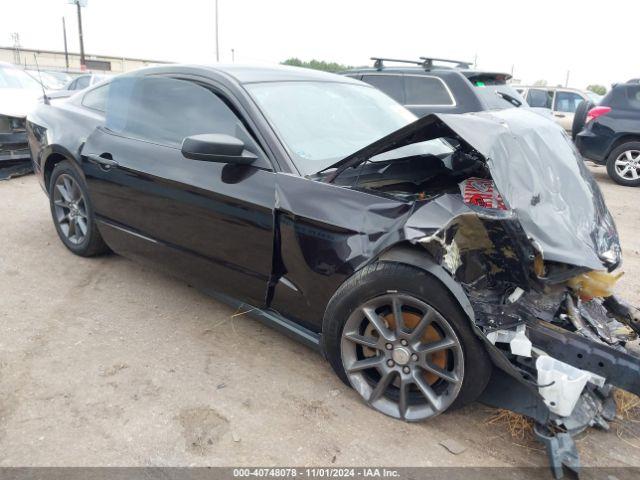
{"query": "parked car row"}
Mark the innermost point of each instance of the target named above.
(606, 129)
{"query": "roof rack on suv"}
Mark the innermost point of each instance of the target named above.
(378, 61)
(427, 62)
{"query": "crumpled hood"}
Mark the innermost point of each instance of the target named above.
(18, 102)
(538, 172)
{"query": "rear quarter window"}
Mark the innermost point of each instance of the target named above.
(426, 90)
(633, 96)
(96, 99)
(389, 84)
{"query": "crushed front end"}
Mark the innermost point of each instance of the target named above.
(15, 158)
(515, 218)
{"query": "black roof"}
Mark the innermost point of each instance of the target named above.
(254, 73)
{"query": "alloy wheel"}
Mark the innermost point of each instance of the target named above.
(627, 165)
(402, 357)
(70, 209)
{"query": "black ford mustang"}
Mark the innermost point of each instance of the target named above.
(433, 261)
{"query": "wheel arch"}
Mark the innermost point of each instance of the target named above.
(622, 139)
(417, 257)
(53, 155)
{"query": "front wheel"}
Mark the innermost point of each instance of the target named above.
(623, 164)
(396, 335)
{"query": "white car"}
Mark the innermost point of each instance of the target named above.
(19, 94)
(561, 101)
(79, 83)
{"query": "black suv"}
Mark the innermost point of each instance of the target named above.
(609, 134)
(425, 87)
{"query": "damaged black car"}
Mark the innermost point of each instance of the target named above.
(433, 262)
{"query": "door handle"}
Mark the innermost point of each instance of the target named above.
(560, 115)
(103, 160)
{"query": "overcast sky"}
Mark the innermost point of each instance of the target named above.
(540, 39)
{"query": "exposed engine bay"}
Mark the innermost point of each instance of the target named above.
(524, 231)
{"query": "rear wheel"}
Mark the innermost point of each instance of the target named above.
(623, 164)
(72, 212)
(396, 335)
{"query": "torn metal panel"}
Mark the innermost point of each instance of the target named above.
(538, 172)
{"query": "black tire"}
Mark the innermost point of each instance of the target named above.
(611, 164)
(91, 243)
(382, 277)
(580, 117)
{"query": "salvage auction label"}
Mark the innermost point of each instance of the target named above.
(321, 472)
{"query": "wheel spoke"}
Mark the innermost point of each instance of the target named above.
(424, 322)
(359, 365)
(396, 306)
(382, 386)
(450, 377)
(370, 342)
(68, 185)
(634, 173)
(63, 191)
(629, 155)
(61, 203)
(433, 347)
(72, 227)
(81, 225)
(403, 403)
(427, 392)
(378, 323)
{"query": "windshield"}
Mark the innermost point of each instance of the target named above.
(323, 122)
(11, 77)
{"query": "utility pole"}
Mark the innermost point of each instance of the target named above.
(16, 48)
(217, 49)
(82, 63)
(233, 55)
(64, 35)
(566, 82)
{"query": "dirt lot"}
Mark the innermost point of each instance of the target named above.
(103, 362)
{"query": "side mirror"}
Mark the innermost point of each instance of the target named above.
(216, 147)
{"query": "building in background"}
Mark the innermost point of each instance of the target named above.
(55, 60)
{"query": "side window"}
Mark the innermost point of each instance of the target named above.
(567, 102)
(96, 99)
(540, 98)
(633, 95)
(72, 85)
(81, 82)
(424, 90)
(389, 84)
(166, 110)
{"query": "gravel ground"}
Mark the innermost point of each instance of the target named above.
(104, 362)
